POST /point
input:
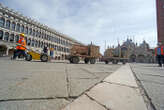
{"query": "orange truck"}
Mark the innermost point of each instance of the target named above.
(87, 53)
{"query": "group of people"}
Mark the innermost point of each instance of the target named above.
(159, 52)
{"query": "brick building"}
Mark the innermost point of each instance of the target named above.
(160, 20)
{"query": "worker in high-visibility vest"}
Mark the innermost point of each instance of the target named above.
(159, 52)
(162, 54)
(21, 46)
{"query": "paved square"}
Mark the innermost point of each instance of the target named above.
(46, 83)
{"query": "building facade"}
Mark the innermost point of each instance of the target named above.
(37, 35)
(134, 52)
(160, 20)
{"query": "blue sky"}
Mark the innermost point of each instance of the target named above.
(94, 20)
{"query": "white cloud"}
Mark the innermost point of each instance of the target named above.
(94, 20)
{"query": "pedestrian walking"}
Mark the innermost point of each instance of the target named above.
(159, 53)
(51, 52)
(45, 49)
(162, 55)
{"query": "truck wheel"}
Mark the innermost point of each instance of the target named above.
(92, 61)
(115, 62)
(86, 60)
(70, 60)
(44, 58)
(28, 57)
(75, 60)
(106, 62)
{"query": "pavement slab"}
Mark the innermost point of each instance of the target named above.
(54, 104)
(42, 85)
(82, 85)
(122, 76)
(84, 103)
(81, 78)
(116, 97)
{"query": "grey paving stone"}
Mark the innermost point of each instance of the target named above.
(55, 104)
(123, 76)
(84, 103)
(116, 97)
(78, 86)
(44, 84)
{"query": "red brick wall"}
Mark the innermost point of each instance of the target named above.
(160, 20)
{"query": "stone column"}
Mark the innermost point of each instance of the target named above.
(3, 37)
(7, 51)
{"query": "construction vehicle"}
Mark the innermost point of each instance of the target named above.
(86, 53)
(33, 55)
(115, 55)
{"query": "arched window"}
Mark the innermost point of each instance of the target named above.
(37, 33)
(12, 38)
(29, 42)
(30, 31)
(33, 32)
(41, 45)
(18, 27)
(36, 43)
(49, 45)
(16, 38)
(52, 46)
(55, 47)
(32, 43)
(45, 36)
(2, 22)
(59, 48)
(13, 26)
(1, 35)
(40, 34)
(22, 28)
(26, 30)
(6, 37)
(58, 40)
(8, 24)
(66, 43)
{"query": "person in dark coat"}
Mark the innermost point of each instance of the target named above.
(45, 50)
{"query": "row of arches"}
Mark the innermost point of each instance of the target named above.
(4, 50)
(8, 37)
(5, 36)
(33, 32)
(141, 58)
